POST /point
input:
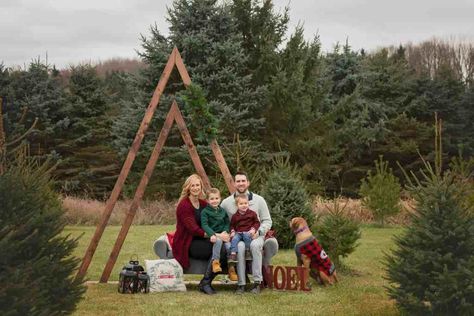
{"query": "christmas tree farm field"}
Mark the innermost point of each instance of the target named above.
(359, 293)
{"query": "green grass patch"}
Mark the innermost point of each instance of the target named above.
(358, 293)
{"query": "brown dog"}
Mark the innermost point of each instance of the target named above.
(310, 255)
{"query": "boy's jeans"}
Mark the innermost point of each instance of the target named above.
(240, 236)
(216, 249)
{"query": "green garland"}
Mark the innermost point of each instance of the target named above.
(204, 124)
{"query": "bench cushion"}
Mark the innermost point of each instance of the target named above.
(163, 251)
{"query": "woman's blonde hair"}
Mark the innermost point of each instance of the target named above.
(187, 187)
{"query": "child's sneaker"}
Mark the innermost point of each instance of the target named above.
(232, 274)
(216, 266)
(232, 258)
(248, 255)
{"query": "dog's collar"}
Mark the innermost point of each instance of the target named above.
(299, 230)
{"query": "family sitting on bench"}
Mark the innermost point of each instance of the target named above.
(210, 238)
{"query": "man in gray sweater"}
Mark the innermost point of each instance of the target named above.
(259, 205)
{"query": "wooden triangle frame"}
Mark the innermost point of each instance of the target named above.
(174, 115)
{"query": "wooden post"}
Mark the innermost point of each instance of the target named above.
(127, 165)
(138, 194)
(173, 115)
(191, 148)
(229, 181)
(182, 69)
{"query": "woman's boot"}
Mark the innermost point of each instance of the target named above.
(205, 284)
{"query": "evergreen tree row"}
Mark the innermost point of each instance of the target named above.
(271, 91)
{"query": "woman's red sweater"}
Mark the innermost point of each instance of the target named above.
(186, 229)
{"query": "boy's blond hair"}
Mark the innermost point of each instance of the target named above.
(241, 197)
(213, 191)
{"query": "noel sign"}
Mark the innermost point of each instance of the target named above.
(286, 278)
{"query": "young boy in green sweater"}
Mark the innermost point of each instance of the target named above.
(214, 219)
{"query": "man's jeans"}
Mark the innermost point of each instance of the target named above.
(240, 236)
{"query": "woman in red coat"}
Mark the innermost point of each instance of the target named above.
(190, 239)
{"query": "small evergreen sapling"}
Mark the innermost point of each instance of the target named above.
(287, 197)
(381, 191)
(432, 268)
(337, 234)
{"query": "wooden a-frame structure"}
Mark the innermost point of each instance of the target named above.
(174, 115)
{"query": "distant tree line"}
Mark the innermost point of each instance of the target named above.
(272, 92)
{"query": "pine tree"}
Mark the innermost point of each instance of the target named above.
(343, 68)
(298, 95)
(388, 79)
(445, 95)
(37, 264)
(432, 268)
(404, 139)
(287, 197)
(88, 165)
(338, 234)
(4, 80)
(356, 125)
(205, 33)
(263, 31)
(381, 191)
(463, 171)
(466, 112)
(294, 97)
(35, 93)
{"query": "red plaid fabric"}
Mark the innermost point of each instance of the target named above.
(319, 258)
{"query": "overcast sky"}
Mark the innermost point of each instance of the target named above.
(73, 31)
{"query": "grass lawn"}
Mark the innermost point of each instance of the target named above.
(359, 294)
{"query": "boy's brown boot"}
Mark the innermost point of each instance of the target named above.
(232, 274)
(216, 266)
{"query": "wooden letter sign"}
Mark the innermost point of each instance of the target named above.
(286, 278)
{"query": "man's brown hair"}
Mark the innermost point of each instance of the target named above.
(241, 173)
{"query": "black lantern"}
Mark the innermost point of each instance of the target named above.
(133, 279)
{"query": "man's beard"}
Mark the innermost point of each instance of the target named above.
(242, 192)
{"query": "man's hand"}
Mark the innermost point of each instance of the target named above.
(232, 234)
(213, 239)
(224, 236)
(253, 233)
